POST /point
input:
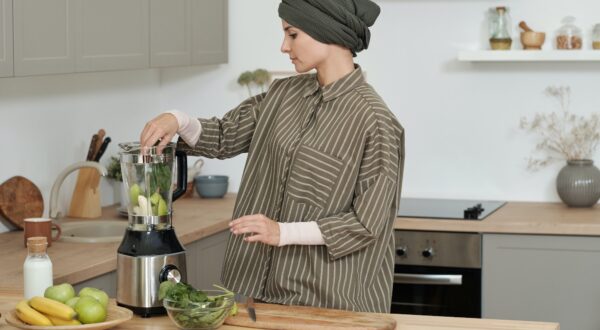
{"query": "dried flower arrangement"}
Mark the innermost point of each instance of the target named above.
(563, 135)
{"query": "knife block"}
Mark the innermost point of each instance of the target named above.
(85, 202)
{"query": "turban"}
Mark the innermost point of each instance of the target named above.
(340, 22)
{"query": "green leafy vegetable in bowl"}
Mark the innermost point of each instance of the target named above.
(196, 309)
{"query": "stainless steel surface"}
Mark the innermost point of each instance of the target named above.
(432, 208)
(438, 249)
(250, 307)
(174, 275)
(147, 222)
(405, 278)
(138, 277)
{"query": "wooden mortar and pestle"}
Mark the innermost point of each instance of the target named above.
(530, 39)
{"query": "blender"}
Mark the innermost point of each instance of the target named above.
(150, 252)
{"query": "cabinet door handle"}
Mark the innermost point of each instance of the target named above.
(427, 279)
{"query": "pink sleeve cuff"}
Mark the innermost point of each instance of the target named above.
(189, 128)
(300, 233)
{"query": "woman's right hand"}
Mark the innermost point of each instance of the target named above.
(162, 128)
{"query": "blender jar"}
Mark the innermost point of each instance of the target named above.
(149, 175)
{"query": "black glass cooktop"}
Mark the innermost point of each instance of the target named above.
(454, 209)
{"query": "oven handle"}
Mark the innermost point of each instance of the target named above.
(427, 279)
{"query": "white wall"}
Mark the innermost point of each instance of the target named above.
(461, 119)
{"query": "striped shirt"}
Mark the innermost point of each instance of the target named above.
(332, 154)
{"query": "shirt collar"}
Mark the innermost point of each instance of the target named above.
(338, 87)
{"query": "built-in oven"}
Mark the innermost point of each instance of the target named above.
(437, 273)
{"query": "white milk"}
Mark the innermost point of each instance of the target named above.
(37, 273)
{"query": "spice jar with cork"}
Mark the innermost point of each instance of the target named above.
(569, 35)
(596, 37)
(500, 38)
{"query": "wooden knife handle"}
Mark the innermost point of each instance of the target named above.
(101, 133)
(92, 148)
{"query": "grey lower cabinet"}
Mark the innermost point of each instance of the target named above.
(204, 259)
(542, 278)
(6, 38)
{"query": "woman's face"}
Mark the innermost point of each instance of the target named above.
(305, 52)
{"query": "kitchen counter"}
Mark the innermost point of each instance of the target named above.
(403, 322)
(196, 218)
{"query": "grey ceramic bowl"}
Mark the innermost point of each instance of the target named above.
(211, 186)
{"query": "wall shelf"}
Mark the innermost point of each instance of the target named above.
(529, 56)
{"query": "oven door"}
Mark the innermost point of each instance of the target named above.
(440, 291)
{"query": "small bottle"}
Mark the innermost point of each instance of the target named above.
(500, 38)
(37, 269)
(596, 37)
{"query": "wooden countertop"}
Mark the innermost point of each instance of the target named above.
(519, 218)
(196, 218)
(8, 301)
(193, 219)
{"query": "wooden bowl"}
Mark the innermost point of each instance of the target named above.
(533, 40)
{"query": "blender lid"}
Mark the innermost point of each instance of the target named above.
(136, 146)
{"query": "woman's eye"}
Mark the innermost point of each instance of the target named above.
(293, 35)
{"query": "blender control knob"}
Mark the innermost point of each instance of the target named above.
(170, 273)
(401, 251)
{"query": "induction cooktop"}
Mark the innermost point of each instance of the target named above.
(451, 209)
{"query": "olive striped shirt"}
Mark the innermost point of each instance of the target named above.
(332, 154)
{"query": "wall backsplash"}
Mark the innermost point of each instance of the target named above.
(461, 119)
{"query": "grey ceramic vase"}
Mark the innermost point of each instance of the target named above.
(578, 183)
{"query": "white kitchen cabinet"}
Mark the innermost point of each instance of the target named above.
(542, 278)
(43, 37)
(188, 32)
(6, 38)
(204, 260)
(111, 35)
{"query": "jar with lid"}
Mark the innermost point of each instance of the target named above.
(596, 37)
(569, 36)
(500, 38)
(37, 269)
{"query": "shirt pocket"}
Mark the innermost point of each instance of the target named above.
(314, 176)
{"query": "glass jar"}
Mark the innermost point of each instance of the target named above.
(500, 38)
(596, 37)
(569, 36)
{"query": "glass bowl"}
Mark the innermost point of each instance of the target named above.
(204, 315)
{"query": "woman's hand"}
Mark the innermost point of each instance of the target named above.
(263, 229)
(162, 128)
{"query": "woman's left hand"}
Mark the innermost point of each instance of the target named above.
(263, 229)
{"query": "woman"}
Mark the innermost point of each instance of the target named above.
(313, 219)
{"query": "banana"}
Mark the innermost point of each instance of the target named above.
(52, 307)
(58, 321)
(30, 316)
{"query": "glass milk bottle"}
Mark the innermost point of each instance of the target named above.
(37, 269)
(500, 38)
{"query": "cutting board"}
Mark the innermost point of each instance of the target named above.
(271, 316)
(20, 199)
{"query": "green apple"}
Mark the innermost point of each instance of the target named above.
(97, 294)
(134, 192)
(71, 302)
(162, 207)
(155, 198)
(90, 310)
(61, 292)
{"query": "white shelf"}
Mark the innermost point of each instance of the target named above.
(529, 56)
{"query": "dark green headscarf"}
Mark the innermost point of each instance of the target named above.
(340, 22)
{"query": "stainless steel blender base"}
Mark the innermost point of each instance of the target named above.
(139, 277)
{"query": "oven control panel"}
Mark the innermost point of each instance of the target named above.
(442, 249)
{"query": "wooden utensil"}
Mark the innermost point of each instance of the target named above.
(271, 316)
(20, 199)
(525, 27)
(85, 201)
(101, 133)
(115, 315)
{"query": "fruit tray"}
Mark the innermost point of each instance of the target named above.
(115, 316)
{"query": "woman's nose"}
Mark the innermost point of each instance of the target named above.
(285, 48)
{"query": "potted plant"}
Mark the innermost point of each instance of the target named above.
(570, 137)
(258, 77)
